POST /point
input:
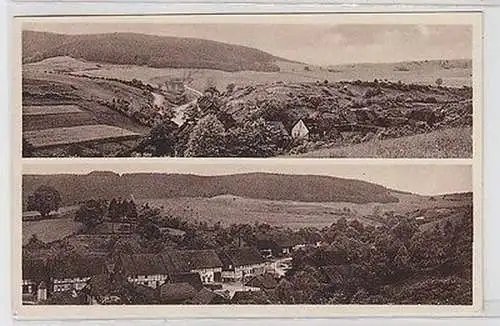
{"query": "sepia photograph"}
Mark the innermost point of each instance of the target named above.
(325, 235)
(321, 86)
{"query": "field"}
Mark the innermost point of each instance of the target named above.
(78, 134)
(425, 73)
(232, 209)
(447, 143)
(49, 230)
(50, 109)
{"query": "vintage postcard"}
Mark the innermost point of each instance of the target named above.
(334, 86)
(201, 239)
(216, 166)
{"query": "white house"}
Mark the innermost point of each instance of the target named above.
(241, 263)
(144, 269)
(300, 130)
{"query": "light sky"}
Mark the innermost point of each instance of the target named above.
(424, 179)
(320, 44)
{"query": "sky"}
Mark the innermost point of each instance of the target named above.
(424, 179)
(319, 44)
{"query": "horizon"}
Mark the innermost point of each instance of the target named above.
(453, 179)
(310, 44)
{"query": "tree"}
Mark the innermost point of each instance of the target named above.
(113, 210)
(255, 139)
(207, 138)
(90, 213)
(439, 81)
(45, 199)
(161, 140)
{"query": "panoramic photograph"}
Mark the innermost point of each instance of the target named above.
(248, 87)
(342, 234)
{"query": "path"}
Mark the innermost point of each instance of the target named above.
(178, 118)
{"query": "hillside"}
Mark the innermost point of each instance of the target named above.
(148, 50)
(76, 188)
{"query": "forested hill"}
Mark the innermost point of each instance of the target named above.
(306, 188)
(150, 50)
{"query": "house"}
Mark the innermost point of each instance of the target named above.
(300, 130)
(241, 263)
(263, 282)
(204, 262)
(275, 245)
(35, 278)
(74, 273)
(144, 269)
(205, 296)
(32, 216)
(176, 293)
(174, 90)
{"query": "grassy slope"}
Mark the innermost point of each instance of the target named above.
(84, 93)
(293, 214)
(447, 143)
(290, 73)
(50, 230)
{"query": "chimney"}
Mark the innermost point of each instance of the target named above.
(41, 293)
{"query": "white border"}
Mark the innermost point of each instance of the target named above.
(492, 135)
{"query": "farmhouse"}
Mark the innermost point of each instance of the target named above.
(174, 90)
(300, 130)
(191, 278)
(35, 279)
(204, 262)
(241, 263)
(276, 246)
(73, 274)
(144, 269)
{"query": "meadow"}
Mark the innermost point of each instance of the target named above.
(50, 230)
(425, 73)
(229, 209)
(77, 134)
(446, 143)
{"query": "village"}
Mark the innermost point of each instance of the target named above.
(123, 253)
(172, 276)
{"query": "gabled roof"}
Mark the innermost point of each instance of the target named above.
(149, 264)
(205, 296)
(241, 256)
(34, 269)
(78, 267)
(188, 260)
(176, 292)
